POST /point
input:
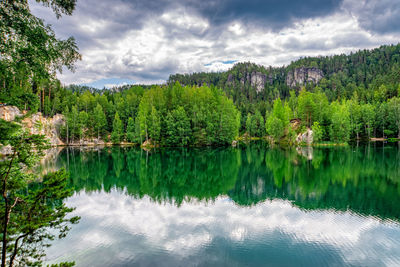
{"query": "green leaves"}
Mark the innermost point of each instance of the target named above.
(118, 130)
(278, 121)
(30, 53)
(30, 206)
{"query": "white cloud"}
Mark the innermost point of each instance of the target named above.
(114, 218)
(179, 40)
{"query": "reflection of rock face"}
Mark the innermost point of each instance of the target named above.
(305, 151)
(306, 137)
(303, 75)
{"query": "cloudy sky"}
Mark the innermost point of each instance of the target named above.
(144, 41)
(129, 231)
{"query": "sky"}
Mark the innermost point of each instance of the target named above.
(141, 231)
(143, 42)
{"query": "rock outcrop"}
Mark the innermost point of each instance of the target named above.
(306, 137)
(36, 123)
(50, 127)
(256, 80)
(303, 75)
(9, 113)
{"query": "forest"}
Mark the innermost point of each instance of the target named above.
(357, 98)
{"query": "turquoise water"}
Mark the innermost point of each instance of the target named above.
(245, 206)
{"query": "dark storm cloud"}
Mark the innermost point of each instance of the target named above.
(126, 15)
(378, 16)
(272, 14)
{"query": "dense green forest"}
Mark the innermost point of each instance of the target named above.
(358, 95)
(357, 98)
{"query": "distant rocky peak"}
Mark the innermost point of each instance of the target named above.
(256, 79)
(303, 75)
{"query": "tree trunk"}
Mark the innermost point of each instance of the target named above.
(4, 241)
(16, 249)
(43, 100)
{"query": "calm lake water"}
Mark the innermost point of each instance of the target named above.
(245, 206)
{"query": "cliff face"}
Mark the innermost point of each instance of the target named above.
(9, 113)
(257, 80)
(37, 124)
(303, 75)
(50, 127)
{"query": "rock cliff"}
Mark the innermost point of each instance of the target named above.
(303, 75)
(307, 137)
(36, 123)
(257, 80)
(9, 113)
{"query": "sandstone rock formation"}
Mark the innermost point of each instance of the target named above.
(303, 75)
(9, 113)
(306, 137)
(36, 124)
(257, 80)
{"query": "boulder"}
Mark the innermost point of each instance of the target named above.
(5, 150)
(9, 113)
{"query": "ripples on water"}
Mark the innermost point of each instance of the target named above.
(233, 207)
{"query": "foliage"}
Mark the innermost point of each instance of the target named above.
(317, 132)
(278, 121)
(340, 127)
(31, 53)
(130, 130)
(32, 210)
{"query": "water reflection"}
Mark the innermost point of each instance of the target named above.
(233, 207)
(365, 180)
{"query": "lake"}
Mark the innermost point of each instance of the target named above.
(245, 206)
